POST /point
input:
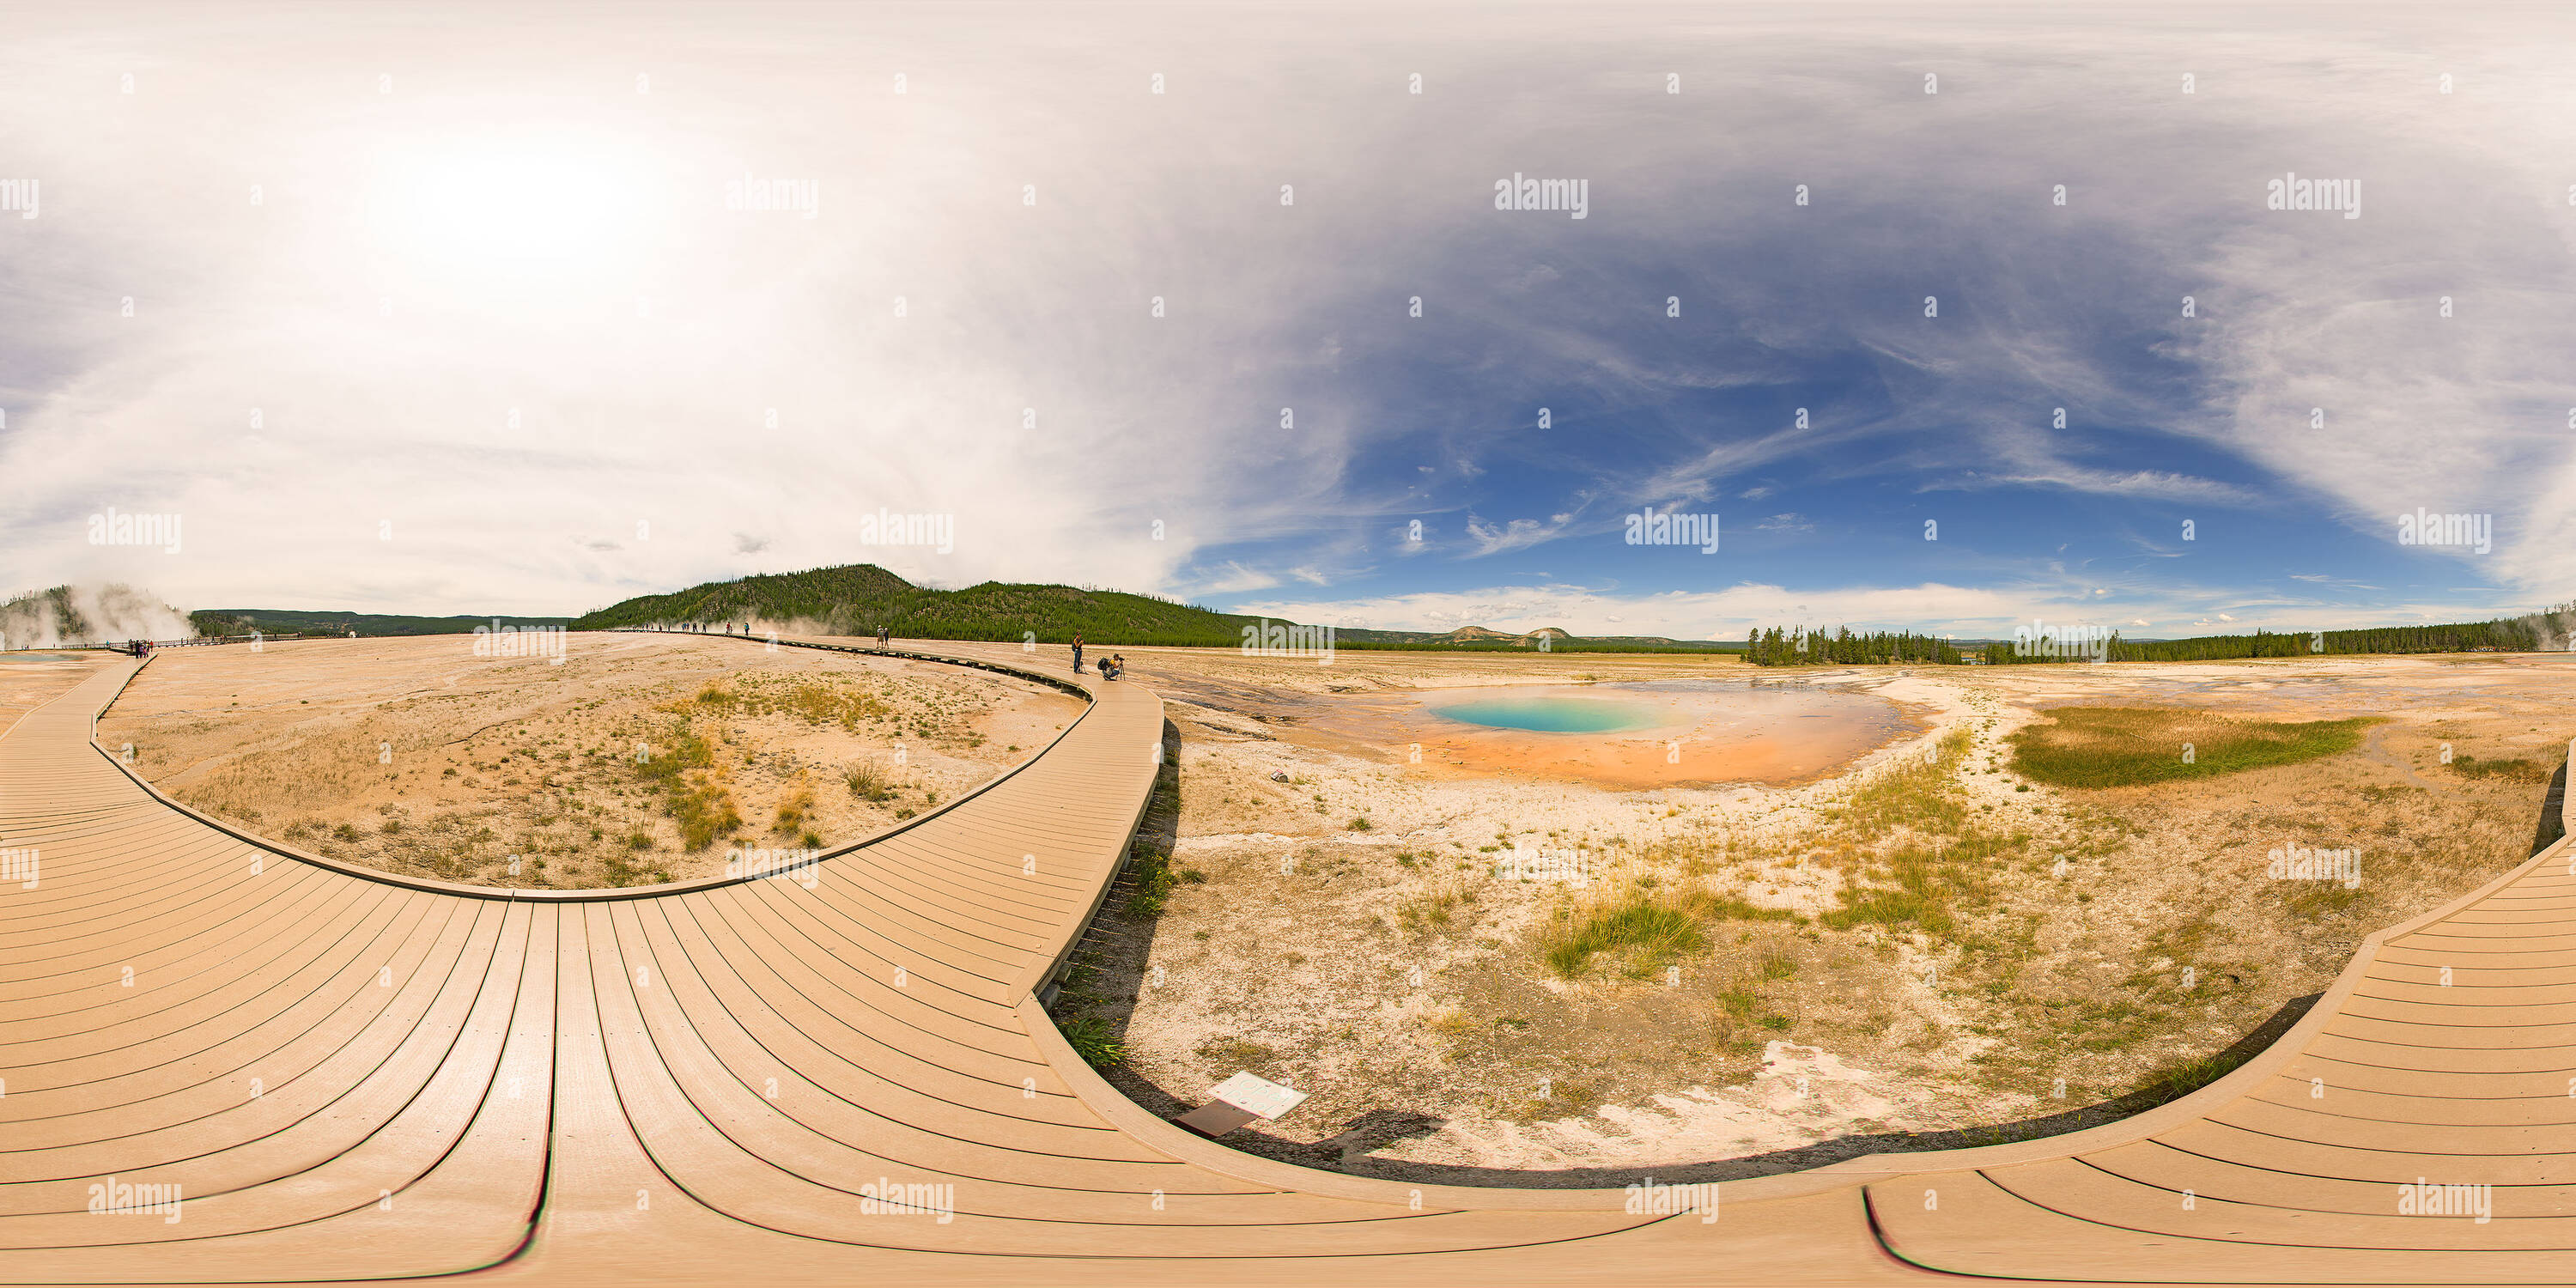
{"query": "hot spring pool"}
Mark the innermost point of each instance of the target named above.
(1552, 714)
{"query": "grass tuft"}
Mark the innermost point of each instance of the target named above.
(1091, 1039)
(1649, 931)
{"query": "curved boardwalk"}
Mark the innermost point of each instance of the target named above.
(349, 1077)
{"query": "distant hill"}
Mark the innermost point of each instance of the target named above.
(855, 599)
(291, 621)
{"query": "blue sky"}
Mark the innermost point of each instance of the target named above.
(489, 337)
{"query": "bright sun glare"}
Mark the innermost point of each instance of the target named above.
(525, 210)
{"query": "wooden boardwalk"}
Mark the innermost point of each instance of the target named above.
(345, 1076)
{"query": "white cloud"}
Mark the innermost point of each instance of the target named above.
(1517, 534)
(1229, 578)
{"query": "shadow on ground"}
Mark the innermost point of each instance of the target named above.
(1348, 1150)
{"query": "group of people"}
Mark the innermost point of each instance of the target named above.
(1111, 667)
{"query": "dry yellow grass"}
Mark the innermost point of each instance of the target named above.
(641, 759)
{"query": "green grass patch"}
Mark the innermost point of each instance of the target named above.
(2129, 746)
(1648, 931)
(1155, 881)
(1926, 887)
(693, 795)
(1920, 793)
(1091, 1039)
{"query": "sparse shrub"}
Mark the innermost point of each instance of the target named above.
(2520, 771)
(2174, 1081)
(1430, 910)
(792, 811)
(1091, 1039)
(868, 782)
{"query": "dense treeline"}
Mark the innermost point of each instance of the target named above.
(2502, 635)
(281, 621)
(1798, 646)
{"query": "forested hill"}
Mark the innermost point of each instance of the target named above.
(856, 599)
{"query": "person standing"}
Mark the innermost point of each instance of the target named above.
(1077, 654)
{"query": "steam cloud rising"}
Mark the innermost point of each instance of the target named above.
(72, 616)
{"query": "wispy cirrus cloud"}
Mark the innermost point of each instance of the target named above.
(1514, 534)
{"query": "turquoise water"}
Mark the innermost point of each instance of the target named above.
(1552, 715)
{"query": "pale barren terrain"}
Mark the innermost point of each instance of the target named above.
(641, 758)
(31, 679)
(1891, 948)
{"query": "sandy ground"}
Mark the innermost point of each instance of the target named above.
(1393, 974)
(414, 755)
(30, 679)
